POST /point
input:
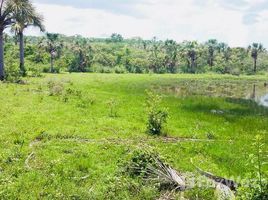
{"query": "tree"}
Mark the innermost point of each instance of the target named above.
(5, 21)
(226, 53)
(157, 59)
(83, 56)
(53, 46)
(190, 50)
(255, 49)
(212, 45)
(171, 49)
(25, 15)
(115, 37)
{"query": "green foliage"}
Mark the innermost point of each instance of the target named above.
(12, 73)
(261, 194)
(83, 56)
(113, 105)
(78, 54)
(120, 69)
(55, 88)
(115, 37)
(157, 116)
(258, 188)
(139, 163)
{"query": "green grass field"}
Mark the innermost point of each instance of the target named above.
(66, 142)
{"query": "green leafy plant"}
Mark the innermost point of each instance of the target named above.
(113, 107)
(258, 189)
(139, 162)
(12, 72)
(157, 116)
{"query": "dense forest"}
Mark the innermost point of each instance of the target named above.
(58, 53)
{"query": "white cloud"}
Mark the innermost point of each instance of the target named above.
(174, 19)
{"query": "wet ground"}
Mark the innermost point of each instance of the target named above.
(251, 90)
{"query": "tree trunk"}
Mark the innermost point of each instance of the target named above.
(255, 65)
(211, 63)
(192, 65)
(188, 65)
(51, 62)
(22, 67)
(2, 67)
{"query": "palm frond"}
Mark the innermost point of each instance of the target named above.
(25, 15)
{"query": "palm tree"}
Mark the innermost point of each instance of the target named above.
(83, 56)
(190, 51)
(255, 49)
(25, 15)
(171, 49)
(53, 46)
(212, 45)
(226, 52)
(5, 21)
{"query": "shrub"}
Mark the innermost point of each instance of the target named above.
(85, 102)
(235, 72)
(258, 189)
(55, 88)
(113, 106)
(139, 163)
(12, 73)
(48, 70)
(106, 70)
(157, 116)
(34, 72)
(120, 69)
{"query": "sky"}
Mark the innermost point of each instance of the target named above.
(236, 22)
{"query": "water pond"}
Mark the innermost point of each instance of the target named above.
(237, 89)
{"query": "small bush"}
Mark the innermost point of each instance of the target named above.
(55, 88)
(85, 102)
(120, 69)
(258, 188)
(106, 70)
(139, 162)
(157, 116)
(236, 72)
(113, 107)
(34, 72)
(12, 73)
(56, 70)
(69, 92)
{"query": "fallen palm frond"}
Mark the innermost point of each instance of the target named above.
(168, 177)
(150, 167)
(227, 182)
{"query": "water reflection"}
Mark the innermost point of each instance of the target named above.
(264, 100)
(261, 98)
(246, 89)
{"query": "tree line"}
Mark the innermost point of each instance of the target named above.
(55, 52)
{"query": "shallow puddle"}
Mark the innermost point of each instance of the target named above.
(254, 90)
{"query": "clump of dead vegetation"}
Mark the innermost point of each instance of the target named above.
(171, 182)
